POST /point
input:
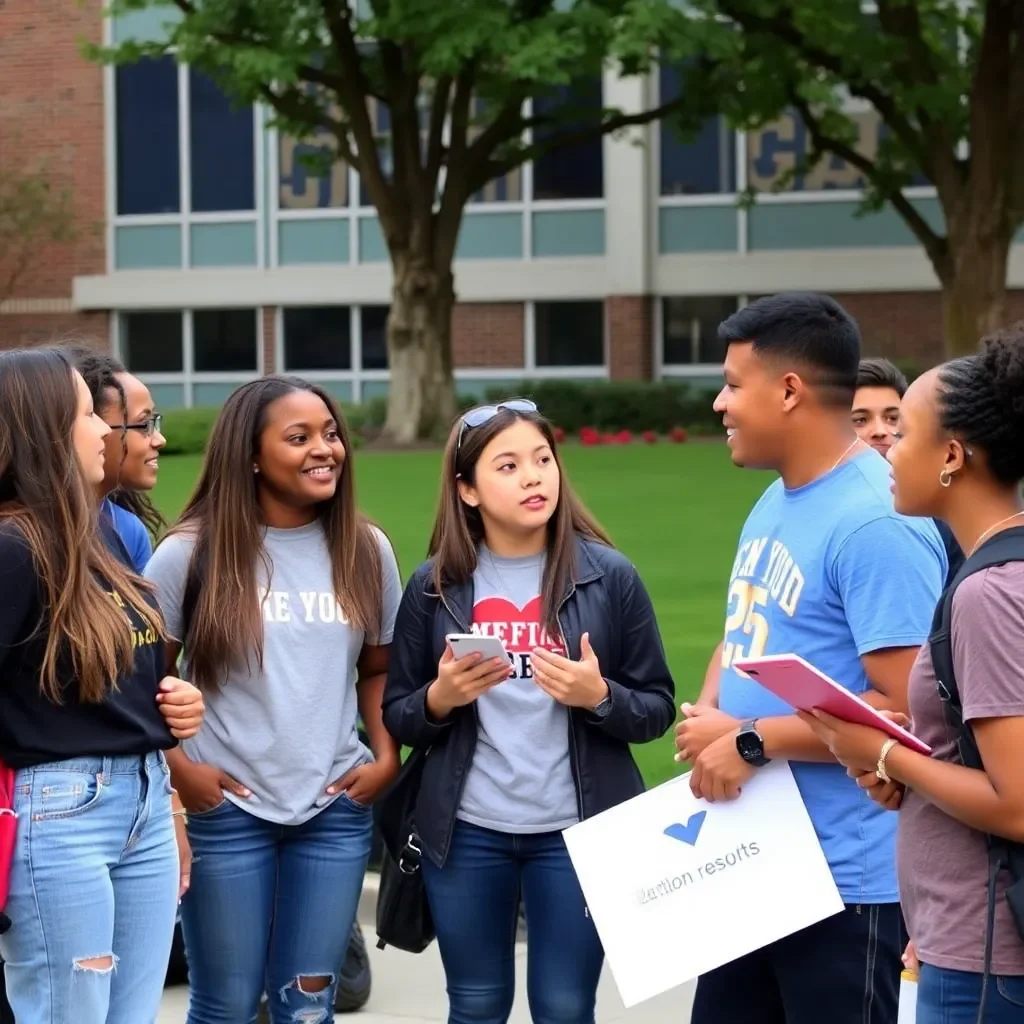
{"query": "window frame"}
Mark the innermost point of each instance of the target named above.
(186, 218)
(189, 377)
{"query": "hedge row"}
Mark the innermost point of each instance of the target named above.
(606, 406)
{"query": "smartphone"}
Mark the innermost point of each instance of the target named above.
(469, 643)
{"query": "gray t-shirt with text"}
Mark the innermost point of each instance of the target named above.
(288, 731)
(520, 780)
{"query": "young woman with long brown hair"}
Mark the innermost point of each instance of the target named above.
(518, 752)
(94, 879)
(283, 596)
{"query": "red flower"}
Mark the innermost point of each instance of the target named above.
(678, 434)
(625, 437)
(588, 435)
(559, 435)
(650, 436)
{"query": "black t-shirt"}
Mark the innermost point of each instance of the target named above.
(33, 729)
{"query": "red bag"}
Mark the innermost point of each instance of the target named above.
(8, 827)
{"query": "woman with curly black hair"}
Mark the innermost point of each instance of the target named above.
(961, 458)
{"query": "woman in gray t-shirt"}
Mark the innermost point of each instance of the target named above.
(961, 458)
(283, 597)
(520, 749)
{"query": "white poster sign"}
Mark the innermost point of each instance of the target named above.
(677, 886)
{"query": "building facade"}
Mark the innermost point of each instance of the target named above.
(207, 252)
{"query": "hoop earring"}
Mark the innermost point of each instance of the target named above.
(945, 478)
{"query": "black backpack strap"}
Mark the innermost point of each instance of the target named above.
(1004, 547)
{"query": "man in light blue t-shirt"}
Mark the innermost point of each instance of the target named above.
(827, 570)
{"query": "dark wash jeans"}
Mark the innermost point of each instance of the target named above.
(474, 900)
(953, 997)
(843, 970)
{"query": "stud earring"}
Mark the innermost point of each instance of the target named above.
(945, 478)
(255, 469)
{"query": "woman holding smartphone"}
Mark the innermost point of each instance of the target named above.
(522, 747)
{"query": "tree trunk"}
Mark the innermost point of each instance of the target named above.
(973, 290)
(421, 394)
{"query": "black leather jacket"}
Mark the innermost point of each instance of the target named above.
(606, 599)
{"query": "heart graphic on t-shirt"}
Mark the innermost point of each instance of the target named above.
(519, 628)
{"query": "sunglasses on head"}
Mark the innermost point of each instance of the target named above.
(483, 413)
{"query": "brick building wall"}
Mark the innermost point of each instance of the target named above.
(488, 334)
(51, 115)
(908, 325)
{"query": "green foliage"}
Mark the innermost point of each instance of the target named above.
(772, 55)
(187, 430)
(454, 76)
(618, 405)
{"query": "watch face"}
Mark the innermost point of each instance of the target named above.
(750, 746)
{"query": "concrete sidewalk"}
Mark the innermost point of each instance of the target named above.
(409, 989)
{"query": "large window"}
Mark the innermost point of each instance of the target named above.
(695, 165)
(221, 149)
(224, 341)
(317, 338)
(190, 357)
(221, 142)
(148, 161)
(774, 150)
(690, 329)
(568, 333)
(573, 172)
(374, 337)
(152, 342)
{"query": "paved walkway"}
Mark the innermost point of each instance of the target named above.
(409, 989)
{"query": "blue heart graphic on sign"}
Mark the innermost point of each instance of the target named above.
(687, 833)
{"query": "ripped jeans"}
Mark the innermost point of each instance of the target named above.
(271, 909)
(94, 888)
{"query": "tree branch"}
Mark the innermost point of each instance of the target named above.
(935, 245)
(352, 92)
(457, 184)
(292, 104)
(781, 26)
(435, 129)
(497, 168)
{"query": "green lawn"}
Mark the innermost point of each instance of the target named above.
(675, 510)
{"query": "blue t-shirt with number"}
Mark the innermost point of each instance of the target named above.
(830, 572)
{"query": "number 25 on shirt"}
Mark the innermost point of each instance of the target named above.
(745, 604)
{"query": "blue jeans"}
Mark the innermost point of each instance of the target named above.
(94, 888)
(474, 900)
(270, 909)
(953, 997)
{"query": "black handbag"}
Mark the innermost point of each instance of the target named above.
(403, 913)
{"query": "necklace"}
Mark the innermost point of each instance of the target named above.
(992, 529)
(856, 441)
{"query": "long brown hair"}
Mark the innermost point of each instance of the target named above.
(459, 528)
(226, 624)
(44, 494)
